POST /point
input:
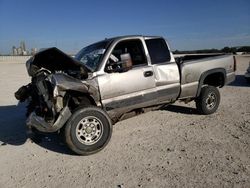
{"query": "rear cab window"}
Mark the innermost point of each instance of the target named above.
(158, 50)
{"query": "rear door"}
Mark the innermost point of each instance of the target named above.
(166, 72)
(135, 88)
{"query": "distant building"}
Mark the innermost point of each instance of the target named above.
(33, 51)
(25, 52)
(14, 50)
(22, 45)
(19, 51)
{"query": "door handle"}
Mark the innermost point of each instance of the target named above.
(148, 73)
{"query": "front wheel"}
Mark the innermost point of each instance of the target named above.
(88, 130)
(208, 101)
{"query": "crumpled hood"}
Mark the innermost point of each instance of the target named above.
(53, 59)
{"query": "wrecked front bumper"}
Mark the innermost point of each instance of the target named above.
(52, 110)
(55, 79)
(40, 124)
(54, 96)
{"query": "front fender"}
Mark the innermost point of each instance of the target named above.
(63, 83)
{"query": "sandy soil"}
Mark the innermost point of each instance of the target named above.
(174, 147)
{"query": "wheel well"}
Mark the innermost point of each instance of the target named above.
(216, 79)
(76, 99)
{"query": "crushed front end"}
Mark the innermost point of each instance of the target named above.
(54, 77)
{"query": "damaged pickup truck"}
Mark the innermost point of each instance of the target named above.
(85, 95)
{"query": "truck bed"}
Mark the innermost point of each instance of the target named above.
(185, 58)
(193, 70)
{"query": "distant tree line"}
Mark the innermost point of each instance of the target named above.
(213, 50)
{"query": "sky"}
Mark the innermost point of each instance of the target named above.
(70, 25)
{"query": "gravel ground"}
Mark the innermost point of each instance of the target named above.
(173, 147)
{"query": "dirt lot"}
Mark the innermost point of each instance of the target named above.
(174, 147)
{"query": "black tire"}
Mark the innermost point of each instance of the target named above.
(82, 124)
(208, 101)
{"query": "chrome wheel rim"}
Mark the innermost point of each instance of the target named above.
(211, 101)
(89, 130)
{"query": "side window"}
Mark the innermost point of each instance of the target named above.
(132, 47)
(158, 50)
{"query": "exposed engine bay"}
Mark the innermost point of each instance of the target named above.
(58, 85)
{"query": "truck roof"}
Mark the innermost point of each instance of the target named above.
(132, 36)
(112, 39)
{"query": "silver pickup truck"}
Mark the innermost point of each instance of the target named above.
(85, 95)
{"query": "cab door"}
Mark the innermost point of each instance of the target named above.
(166, 71)
(135, 88)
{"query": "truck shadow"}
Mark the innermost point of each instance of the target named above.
(13, 131)
(52, 142)
(240, 81)
(12, 125)
(181, 109)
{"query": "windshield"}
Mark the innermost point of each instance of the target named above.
(91, 56)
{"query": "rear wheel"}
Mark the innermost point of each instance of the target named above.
(208, 101)
(88, 130)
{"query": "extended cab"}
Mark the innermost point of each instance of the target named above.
(86, 94)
